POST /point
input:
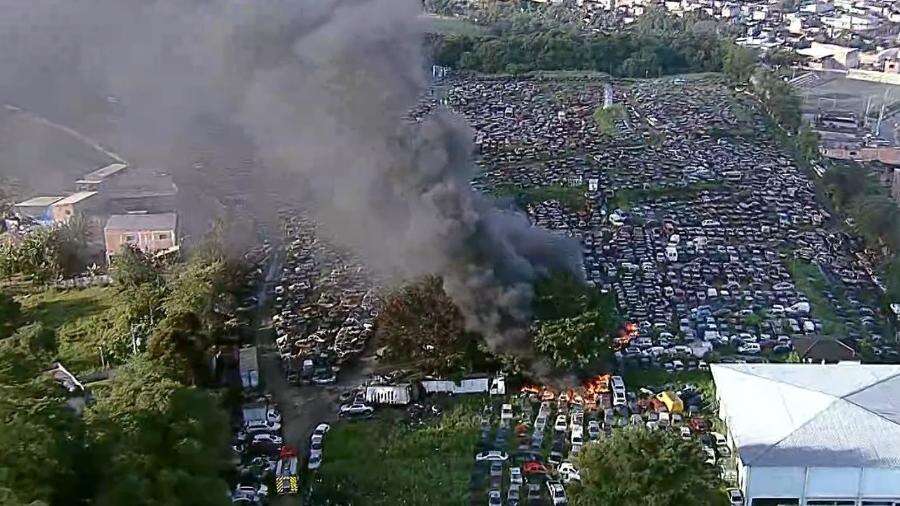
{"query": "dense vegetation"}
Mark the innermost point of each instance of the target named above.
(571, 197)
(635, 467)
(150, 436)
(657, 45)
(856, 192)
(420, 326)
(575, 323)
(607, 117)
(47, 253)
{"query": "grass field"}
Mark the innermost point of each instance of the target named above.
(57, 308)
(811, 282)
(383, 461)
(570, 197)
(454, 26)
(626, 198)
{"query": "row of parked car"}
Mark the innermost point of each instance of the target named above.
(678, 215)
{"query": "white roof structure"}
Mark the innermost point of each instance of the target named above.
(840, 415)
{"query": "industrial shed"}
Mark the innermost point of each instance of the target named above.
(804, 434)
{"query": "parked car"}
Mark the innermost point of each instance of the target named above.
(495, 498)
(357, 409)
(568, 473)
(736, 497)
(265, 438)
(533, 467)
(557, 493)
(322, 429)
(515, 476)
(491, 456)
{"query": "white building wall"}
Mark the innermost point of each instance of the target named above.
(832, 482)
(776, 482)
(821, 483)
(880, 483)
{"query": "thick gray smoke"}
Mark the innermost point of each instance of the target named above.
(308, 94)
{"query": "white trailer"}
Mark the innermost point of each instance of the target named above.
(466, 386)
(248, 364)
(396, 395)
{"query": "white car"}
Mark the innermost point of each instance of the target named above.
(617, 383)
(315, 461)
(273, 439)
(357, 409)
(568, 473)
(557, 493)
(491, 456)
(321, 429)
(718, 438)
(515, 476)
(495, 498)
(749, 349)
(686, 433)
(710, 455)
(506, 412)
(735, 497)
(593, 430)
(254, 426)
(561, 423)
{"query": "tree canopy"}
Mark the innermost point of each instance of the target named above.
(574, 324)
(635, 467)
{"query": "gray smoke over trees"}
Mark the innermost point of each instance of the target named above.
(308, 95)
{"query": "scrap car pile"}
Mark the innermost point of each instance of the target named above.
(701, 226)
(325, 305)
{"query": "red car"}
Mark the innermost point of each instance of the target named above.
(698, 425)
(533, 467)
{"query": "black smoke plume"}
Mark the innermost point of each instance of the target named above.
(303, 98)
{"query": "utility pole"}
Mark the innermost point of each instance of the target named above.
(866, 115)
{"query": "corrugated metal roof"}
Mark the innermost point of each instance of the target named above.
(160, 221)
(39, 202)
(104, 172)
(75, 198)
(812, 415)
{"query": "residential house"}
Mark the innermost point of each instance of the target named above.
(151, 233)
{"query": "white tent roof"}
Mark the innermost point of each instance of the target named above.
(844, 415)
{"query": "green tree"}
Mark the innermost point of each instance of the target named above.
(635, 467)
(166, 444)
(808, 143)
(420, 323)
(132, 267)
(739, 62)
(574, 322)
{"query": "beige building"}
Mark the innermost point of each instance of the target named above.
(84, 203)
(151, 233)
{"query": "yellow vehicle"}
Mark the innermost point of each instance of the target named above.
(672, 401)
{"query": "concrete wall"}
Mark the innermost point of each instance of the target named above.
(888, 155)
(874, 76)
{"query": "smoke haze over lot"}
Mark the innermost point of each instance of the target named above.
(305, 96)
